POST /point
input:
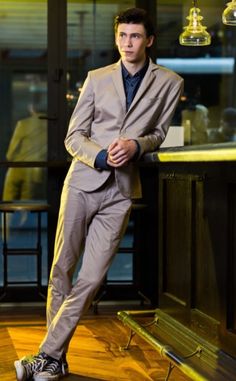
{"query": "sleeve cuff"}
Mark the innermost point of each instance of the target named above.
(136, 155)
(101, 160)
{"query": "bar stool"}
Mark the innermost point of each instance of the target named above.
(12, 207)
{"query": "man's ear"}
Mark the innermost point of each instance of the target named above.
(150, 41)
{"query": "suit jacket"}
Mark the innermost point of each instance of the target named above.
(100, 116)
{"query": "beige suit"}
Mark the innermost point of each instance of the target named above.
(100, 116)
(95, 204)
(28, 143)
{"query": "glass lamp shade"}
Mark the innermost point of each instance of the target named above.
(229, 14)
(195, 33)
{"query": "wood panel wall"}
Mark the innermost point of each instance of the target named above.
(196, 240)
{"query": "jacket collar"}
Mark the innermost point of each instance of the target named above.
(118, 83)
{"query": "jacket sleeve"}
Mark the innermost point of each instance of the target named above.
(14, 149)
(77, 141)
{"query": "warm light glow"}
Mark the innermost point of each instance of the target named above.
(195, 33)
(229, 14)
(198, 155)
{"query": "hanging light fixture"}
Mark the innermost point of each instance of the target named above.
(195, 33)
(229, 14)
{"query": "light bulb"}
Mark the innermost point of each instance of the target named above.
(229, 14)
(195, 33)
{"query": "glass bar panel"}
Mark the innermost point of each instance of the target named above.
(23, 143)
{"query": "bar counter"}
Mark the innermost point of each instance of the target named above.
(200, 153)
(189, 267)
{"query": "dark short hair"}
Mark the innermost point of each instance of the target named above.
(135, 16)
(229, 116)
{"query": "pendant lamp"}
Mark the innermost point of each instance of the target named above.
(229, 14)
(195, 33)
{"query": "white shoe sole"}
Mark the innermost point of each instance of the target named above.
(45, 377)
(20, 371)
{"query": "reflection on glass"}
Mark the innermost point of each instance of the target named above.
(208, 71)
(23, 84)
(195, 122)
(226, 132)
(121, 269)
(28, 143)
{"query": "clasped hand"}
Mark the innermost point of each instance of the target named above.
(120, 152)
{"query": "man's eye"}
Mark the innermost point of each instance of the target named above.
(136, 36)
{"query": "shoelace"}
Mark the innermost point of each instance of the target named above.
(33, 364)
(54, 367)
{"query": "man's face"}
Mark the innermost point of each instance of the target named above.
(132, 41)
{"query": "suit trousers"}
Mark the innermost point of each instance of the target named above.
(91, 224)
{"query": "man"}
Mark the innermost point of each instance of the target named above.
(28, 143)
(227, 130)
(123, 111)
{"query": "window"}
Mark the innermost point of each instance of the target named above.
(208, 108)
(23, 92)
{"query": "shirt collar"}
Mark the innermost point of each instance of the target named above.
(141, 73)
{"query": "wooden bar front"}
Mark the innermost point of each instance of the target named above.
(191, 246)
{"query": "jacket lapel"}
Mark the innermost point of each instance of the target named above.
(118, 83)
(146, 83)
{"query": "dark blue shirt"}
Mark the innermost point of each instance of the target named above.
(132, 82)
(131, 86)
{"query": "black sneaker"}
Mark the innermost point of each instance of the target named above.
(28, 365)
(65, 364)
(53, 370)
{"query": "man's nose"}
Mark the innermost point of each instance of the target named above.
(128, 41)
